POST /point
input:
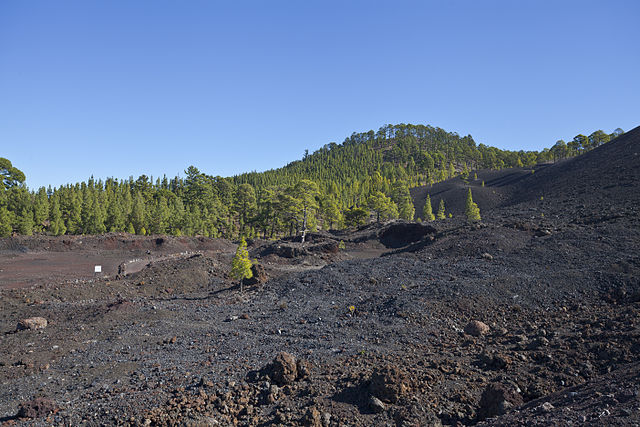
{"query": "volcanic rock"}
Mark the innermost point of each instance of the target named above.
(312, 418)
(259, 275)
(476, 328)
(388, 383)
(37, 408)
(283, 370)
(32, 323)
(498, 399)
(376, 404)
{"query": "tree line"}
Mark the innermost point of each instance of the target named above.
(366, 177)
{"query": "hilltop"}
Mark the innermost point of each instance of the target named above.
(369, 176)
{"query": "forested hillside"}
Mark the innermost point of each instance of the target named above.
(367, 176)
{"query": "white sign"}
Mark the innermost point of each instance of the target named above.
(98, 269)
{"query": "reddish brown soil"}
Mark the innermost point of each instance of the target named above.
(27, 261)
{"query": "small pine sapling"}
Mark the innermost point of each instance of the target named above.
(441, 213)
(427, 210)
(471, 209)
(241, 264)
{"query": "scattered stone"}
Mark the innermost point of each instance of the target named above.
(537, 343)
(37, 408)
(498, 399)
(494, 361)
(547, 407)
(417, 415)
(388, 383)
(326, 419)
(304, 369)
(32, 323)
(312, 418)
(476, 328)
(500, 331)
(283, 370)
(200, 421)
(376, 404)
(171, 340)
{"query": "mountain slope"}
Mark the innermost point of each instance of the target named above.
(596, 180)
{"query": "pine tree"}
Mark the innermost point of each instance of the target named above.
(427, 211)
(355, 217)
(382, 205)
(245, 204)
(138, 214)
(56, 226)
(441, 213)
(403, 200)
(5, 222)
(306, 192)
(241, 264)
(25, 222)
(115, 214)
(471, 209)
(160, 217)
(40, 208)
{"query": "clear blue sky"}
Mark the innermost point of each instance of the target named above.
(119, 88)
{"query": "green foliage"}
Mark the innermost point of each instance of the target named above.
(245, 204)
(56, 226)
(5, 222)
(241, 264)
(130, 229)
(441, 212)
(383, 206)
(40, 209)
(355, 217)
(402, 198)
(471, 209)
(330, 188)
(427, 211)
(9, 175)
(25, 222)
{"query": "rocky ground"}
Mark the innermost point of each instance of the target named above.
(531, 317)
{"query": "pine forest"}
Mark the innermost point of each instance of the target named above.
(367, 177)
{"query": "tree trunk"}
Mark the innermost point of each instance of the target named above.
(304, 226)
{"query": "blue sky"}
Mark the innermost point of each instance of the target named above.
(120, 88)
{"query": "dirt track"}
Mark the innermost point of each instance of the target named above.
(556, 280)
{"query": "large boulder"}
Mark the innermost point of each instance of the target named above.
(283, 370)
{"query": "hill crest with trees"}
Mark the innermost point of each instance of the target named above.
(366, 177)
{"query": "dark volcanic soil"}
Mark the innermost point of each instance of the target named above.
(379, 333)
